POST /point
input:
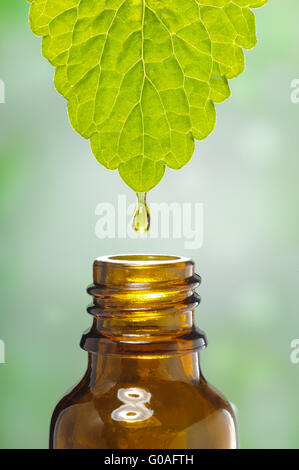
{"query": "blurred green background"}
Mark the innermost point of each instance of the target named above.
(246, 174)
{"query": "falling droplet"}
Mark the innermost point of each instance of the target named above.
(141, 218)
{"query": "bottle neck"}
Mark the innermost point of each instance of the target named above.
(143, 308)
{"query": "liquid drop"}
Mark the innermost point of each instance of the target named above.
(141, 218)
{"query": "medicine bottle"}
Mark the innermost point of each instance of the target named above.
(143, 388)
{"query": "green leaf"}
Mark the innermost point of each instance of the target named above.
(141, 76)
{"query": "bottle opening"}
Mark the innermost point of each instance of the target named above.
(143, 259)
(141, 268)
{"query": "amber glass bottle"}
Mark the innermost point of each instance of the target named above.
(143, 388)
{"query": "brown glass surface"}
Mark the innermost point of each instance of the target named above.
(143, 388)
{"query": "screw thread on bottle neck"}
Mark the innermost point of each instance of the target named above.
(145, 300)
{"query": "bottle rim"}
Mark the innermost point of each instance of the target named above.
(143, 269)
(143, 259)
